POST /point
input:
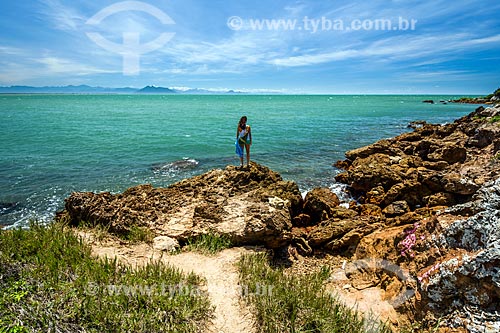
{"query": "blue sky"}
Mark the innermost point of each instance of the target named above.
(454, 47)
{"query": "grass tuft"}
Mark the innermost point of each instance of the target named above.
(297, 303)
(494, 119)
(208, 243)
(139, 235)
(49, 281)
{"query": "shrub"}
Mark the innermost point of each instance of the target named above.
(297, 303)
(49, 281)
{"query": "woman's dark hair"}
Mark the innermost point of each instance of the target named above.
(242, 120)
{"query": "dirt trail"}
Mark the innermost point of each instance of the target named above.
(221, 275)
(220, 272)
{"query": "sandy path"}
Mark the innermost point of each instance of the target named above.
(220, 272)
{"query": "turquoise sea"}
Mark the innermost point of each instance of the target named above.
(52, 145)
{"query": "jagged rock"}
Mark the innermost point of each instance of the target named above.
(250, 207)
(409, 190)
(301, 220)
(380, 244)
(455, 183)
(449, 154)
(416, 124)
(454, 251)
(438, 166)
(330, 229)
(370, 210)
(375, 195)
(483, 137)
(349, 241)
(335, 234)
(302, 246)
(422, 166)
(439, 199)
(467, 284)
(343, 213)
(319, 204)
(396, 208)
(380, 147)
(373, 171)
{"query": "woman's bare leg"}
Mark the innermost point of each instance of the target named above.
(248, 155)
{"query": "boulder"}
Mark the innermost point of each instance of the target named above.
(370, 210)
(336, 234)
(249, 207)
(301, 220)
(372, 171)
(440, 199)
(332, 229)
(458, 184)
(415, 182)
(380, 147)
(165, 243)
(450, 154)
(483, 137)
(375, 195)
(319, 204)
(396, 208)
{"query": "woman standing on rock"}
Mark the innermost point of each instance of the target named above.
(243, 139)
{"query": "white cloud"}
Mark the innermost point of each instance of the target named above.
(55, 65)
(399, 47)
(62, 17)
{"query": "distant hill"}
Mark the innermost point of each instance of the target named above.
(85, 89)
(155, 90)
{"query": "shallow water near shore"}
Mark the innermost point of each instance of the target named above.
(52, 145)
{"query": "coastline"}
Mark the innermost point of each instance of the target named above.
(411, 192)
(415, 237)
(88, 149)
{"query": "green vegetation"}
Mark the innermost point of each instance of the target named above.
(491, 120)
(479, 100)
(296, 303)
(494, 119)
(496, 93)
(139, 235)
(473, 100)
(207, 243)
(419, 327)
(49, 281)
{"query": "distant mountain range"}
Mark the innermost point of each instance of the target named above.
(85, 89)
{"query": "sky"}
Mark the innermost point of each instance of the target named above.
(309, 46)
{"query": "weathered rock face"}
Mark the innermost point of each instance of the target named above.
(428, 204)
(319, 204)
(467, 283)
(433, 166)
(253, 206)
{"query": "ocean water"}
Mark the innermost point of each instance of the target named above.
(52, 145)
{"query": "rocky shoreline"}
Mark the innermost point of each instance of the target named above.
(426, 201)
(493, 98)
